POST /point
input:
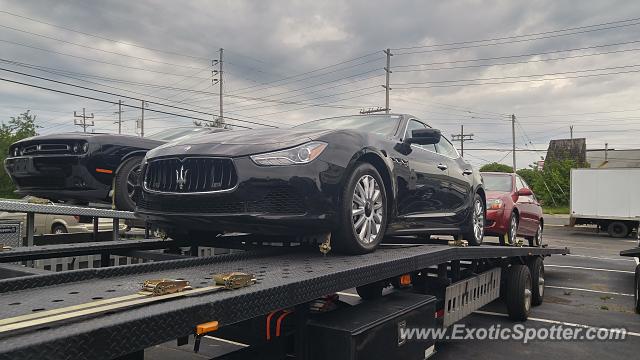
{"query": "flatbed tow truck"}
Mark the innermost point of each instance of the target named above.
(279, 301)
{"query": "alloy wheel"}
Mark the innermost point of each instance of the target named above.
(538, 238)
(513, 231)
(541, 282)
(478, 220)
(527, 294)
(132, 180)
(367, 209)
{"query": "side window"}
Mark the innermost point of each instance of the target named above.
(445, 148)
(414, 125)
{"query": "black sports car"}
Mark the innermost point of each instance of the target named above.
(359, 177)
(81, 167)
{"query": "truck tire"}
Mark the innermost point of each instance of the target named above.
(126, 177)
(536, 267)
(618, 229)
(637, 292)
(518, 292)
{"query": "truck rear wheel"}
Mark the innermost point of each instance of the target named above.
(536, 267)
(518, 292)
(618, 229)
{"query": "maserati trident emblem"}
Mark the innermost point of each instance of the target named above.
(187, 148)
(181, 177)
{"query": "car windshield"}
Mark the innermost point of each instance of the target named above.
(497, 182)
(177, 133)
(378, 124)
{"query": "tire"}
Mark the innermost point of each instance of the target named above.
(536, 240)
(125, 180)
(362, 211)
(370, 291)
(518, 292)
(510, 237)
(58, 229)
(618, 229)
(637, 292)
(475, 227)
(536, 268)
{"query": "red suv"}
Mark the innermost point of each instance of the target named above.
(512, 209)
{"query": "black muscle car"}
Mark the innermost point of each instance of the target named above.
(82, 167)
(358, 177)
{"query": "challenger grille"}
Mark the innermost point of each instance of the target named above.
(190, 175)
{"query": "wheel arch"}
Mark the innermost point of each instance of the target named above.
(376, 159)
(128, 156)
(57, 222)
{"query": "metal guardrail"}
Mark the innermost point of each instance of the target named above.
(33, 208)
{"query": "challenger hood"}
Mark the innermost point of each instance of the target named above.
(238, 142)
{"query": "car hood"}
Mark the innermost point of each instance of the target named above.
(497, 195)
(239, 142)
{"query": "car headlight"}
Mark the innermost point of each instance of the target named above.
(495, 204)
(301, 154)
(16, 151)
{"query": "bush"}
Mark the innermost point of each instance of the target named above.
(496, 167)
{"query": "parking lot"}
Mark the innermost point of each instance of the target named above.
(591, 287)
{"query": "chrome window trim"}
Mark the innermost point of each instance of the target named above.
(144, 178)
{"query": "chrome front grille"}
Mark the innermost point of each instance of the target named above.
(190, 175)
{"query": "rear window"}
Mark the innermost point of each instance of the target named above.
(496, 182)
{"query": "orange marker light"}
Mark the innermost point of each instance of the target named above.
(104, 171)
(206, 327)
(405, 280)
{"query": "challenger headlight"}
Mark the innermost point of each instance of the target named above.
(495, 204)
(16, 151)
(302, 154)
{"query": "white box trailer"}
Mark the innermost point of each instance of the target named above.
(609, 198)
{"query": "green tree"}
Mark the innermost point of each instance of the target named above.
(496, 167)
(18, 128)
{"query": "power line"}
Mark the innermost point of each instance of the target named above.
(101, 50)
(519, 81)
(518, 40)
(519, 36)
(112, 102)
(519, 55)
(522, 62)
(98, 61)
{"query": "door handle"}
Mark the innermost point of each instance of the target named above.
(467, 172)
(442, 167)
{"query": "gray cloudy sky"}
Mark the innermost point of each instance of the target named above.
(291, 61)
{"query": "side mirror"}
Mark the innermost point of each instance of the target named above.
(424, 137)
(525, 192)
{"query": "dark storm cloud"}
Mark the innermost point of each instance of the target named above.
(267, 40)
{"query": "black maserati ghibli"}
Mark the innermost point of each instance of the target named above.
(359, 177)
(84, 167)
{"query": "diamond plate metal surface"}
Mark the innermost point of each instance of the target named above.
(16, 206)
(285, 279)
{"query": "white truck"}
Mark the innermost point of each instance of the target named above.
(609, 198)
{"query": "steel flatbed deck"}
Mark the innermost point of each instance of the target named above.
(286, 277)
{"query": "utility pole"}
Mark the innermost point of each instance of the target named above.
(387, 88)
(606, 152)
(84, 117)
(142, 119)
(571, 131)
(513, 139)
(220, 83)
(119, 112)
(462, 137)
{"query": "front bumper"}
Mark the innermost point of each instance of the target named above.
(58, 177)
(267, 199)
(496, 224)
